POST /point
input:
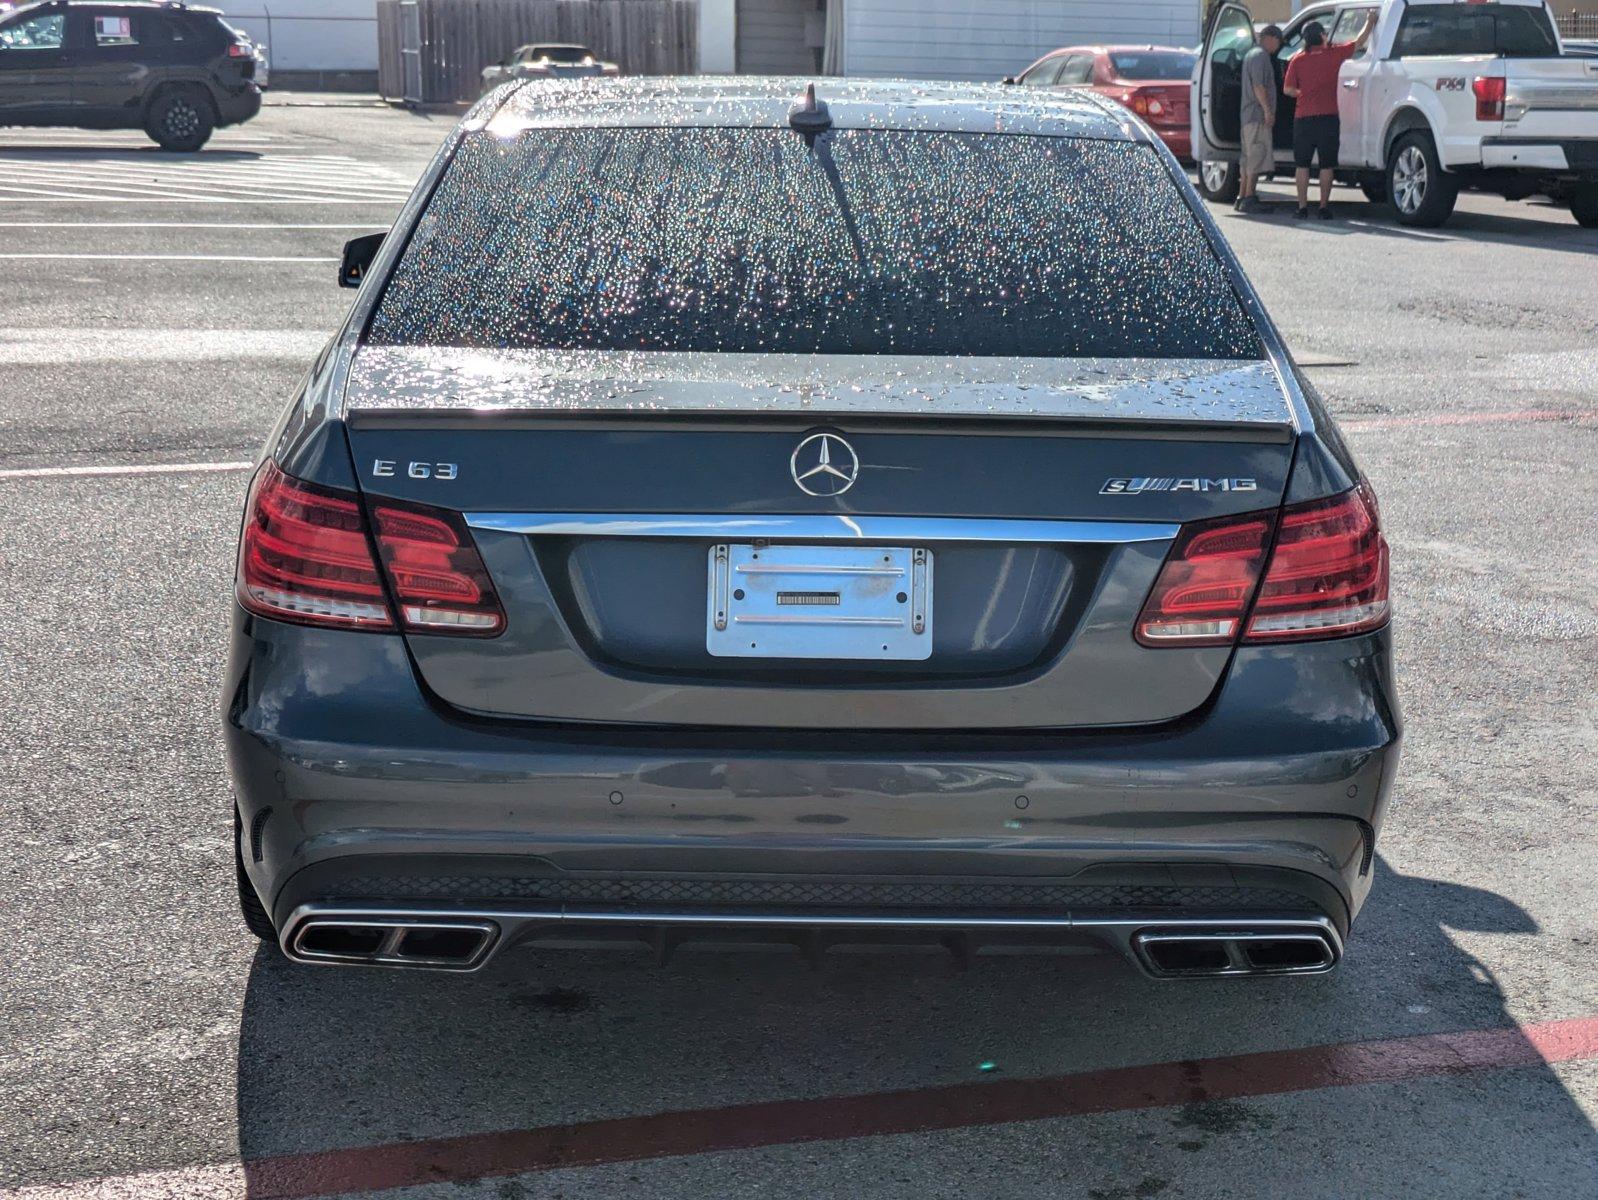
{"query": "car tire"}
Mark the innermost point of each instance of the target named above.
(1584, 205)
(1217, 181)
(1421, 192)
(180, 120)
(250, 907)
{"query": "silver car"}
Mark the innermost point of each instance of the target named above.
(547, 60)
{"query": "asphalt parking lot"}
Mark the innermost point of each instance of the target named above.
(155, 312)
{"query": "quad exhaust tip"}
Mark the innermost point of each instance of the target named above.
(1176, 953)
(1182, 949)
(441, 945)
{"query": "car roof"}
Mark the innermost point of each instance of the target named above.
(745, 101)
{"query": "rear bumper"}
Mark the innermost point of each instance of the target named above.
(1561, 156)
(356, 791)
(234, 108)
(1179, 140)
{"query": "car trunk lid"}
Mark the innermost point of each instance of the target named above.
(1038, 497)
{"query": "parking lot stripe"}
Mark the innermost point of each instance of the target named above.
(135, 469)
(918, 1110)
(179, 225)
(446, 1161)
(279, 177)
(1363, 424)
(255, 258)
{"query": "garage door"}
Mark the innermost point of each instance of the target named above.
(989, 39)
(772, 37)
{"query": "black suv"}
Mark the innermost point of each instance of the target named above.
(174, 71)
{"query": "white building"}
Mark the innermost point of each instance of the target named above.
(925, 39)
(311, 42)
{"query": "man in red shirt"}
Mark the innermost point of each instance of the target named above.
(1312, 79)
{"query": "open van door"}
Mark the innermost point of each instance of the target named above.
(1217, 99)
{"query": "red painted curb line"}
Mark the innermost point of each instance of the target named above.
(916, 1110)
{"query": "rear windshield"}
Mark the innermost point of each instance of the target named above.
(560, 54)
(867, 242)
(1517, 30)
(1153, 64)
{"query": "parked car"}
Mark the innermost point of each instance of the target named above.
(547, 61)
(1445, 96)
(176, 72)
(1153, 81)
(263, 68)
(882, 513)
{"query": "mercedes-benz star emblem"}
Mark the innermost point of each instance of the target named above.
(824, 465)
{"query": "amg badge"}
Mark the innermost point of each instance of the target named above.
(1131, 487)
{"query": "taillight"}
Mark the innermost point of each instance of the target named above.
(1328, 575)
(1156, 103)
(1203, 590)
(305, 557)
(437, 575)
(240, 50)
(1490, 91)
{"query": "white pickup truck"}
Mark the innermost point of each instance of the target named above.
(1447, 94)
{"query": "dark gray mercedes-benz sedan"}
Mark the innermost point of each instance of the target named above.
(885, 514)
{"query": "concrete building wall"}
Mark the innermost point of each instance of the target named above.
(309, 36)
(989, 39)
(718, 37)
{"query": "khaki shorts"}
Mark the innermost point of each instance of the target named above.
(1257, 156)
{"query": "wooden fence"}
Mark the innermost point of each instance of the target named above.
(449, 42)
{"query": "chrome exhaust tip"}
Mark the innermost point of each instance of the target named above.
(1276, 950)
(440, 945)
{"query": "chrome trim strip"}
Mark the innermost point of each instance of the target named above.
(1120, 932)
(822, 527)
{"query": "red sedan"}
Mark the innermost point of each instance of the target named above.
(1150, 80)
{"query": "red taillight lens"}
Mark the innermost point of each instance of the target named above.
(1490, 91)
(1327, 576)
(240, 50)
(1203, 590)
(437, 575)
(304, 556)
(1328, 572)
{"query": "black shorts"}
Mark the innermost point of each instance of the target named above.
(1316, 136)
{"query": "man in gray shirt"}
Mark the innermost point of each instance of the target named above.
(1259, 117)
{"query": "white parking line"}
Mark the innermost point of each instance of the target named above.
(223, 1181)
(142, 469)
(251, 258)
(51, 198)
(176, 225)
(80, 345)
(42, 177)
